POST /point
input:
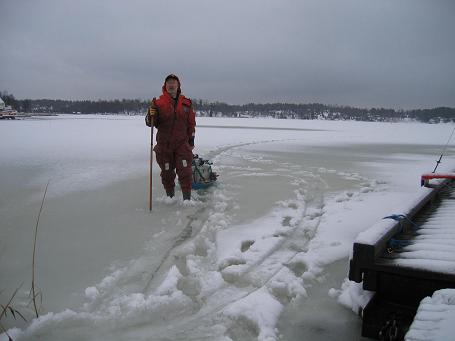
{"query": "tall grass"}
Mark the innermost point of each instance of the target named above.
(33, 291)
(9, 307)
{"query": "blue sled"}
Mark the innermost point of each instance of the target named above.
(202, 185)
(203, 176)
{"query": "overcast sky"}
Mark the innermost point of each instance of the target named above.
(389, 53)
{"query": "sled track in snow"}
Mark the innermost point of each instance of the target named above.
(258, 128)
(183, 236)
(204, 318)
(186, 233)
(217, 152)
(286, 242)
(314, 199)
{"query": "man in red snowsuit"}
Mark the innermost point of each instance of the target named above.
(175, 120)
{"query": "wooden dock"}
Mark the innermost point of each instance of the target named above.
(405, 258)
(435, 318)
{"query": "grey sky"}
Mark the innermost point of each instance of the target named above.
(390, 53)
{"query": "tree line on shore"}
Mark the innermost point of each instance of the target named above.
(206, 108)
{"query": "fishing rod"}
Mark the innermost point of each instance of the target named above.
(443, 151)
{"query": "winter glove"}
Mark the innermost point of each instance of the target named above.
(151, 113)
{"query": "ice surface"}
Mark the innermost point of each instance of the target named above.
(292, 197)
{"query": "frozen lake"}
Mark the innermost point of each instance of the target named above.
(253, 258)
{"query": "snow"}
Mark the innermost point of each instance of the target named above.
(377, 231)
(430, 249)
(291, 199)
(258, 309)
(435, 318)
(433, 247)
(352, 295)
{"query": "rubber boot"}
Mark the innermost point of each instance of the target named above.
(170, 193)
(187, 195)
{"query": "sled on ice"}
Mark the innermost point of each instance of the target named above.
(203, 175)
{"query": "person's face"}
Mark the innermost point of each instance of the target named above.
(172, 86)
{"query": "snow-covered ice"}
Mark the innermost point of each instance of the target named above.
(271, 239)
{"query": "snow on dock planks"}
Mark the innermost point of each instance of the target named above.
(404, 258)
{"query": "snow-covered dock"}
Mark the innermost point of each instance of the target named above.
(435, 318)
(404, 258)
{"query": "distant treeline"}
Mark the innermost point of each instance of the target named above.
(205, 108)
(123, 106)
(327, 112)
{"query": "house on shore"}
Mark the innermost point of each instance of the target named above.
(6, 112)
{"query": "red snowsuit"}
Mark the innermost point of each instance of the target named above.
(175, 123)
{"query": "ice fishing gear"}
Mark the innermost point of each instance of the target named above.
(149, 120)
(443, 151)
(203, 175)
(425, 178)
(151, 164)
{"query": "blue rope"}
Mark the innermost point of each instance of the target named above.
(400, 243)
(399, 218)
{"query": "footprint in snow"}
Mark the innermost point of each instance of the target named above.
(246, 245)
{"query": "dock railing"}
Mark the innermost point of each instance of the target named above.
(372, 243)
